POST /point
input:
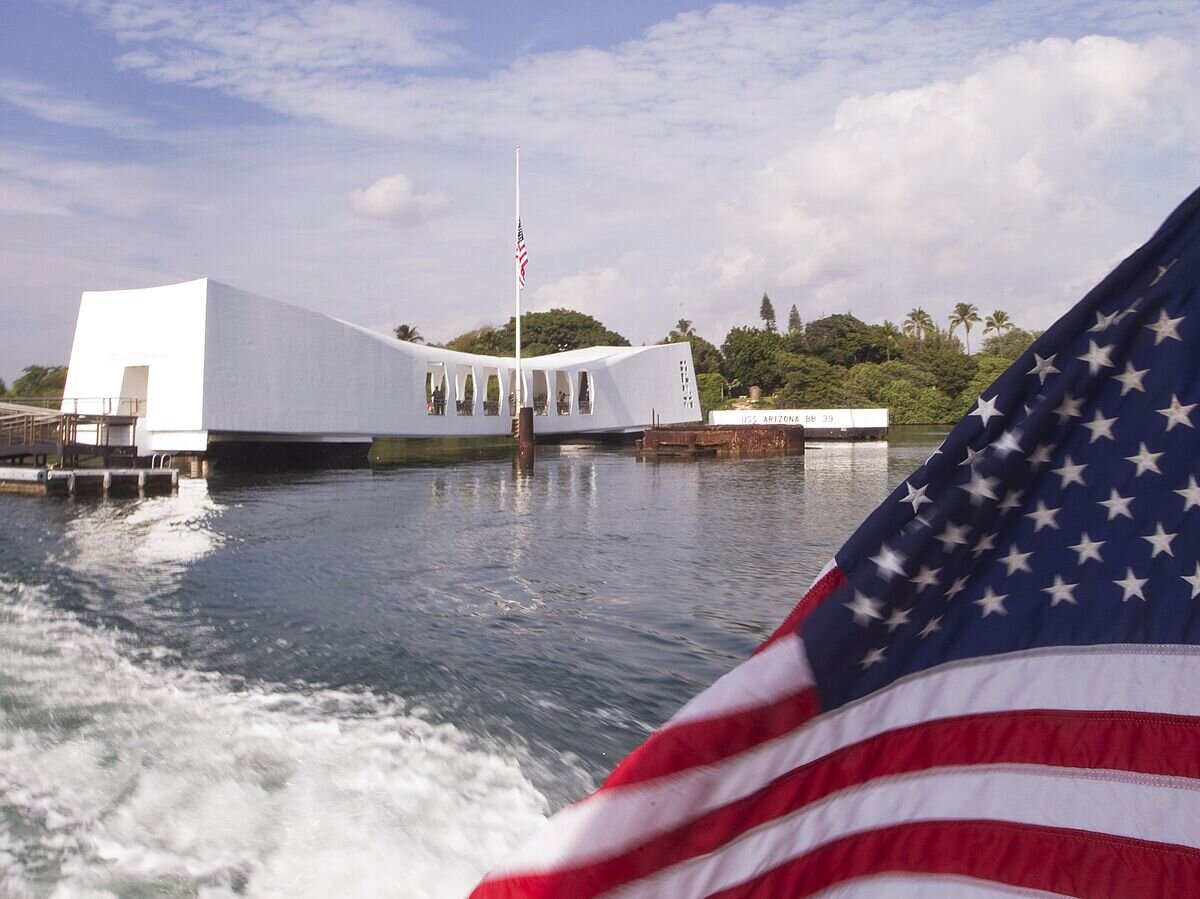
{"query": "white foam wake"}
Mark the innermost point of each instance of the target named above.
(122, 776)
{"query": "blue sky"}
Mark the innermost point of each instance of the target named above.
(355, 156)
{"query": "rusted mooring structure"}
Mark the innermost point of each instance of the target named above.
(722, 440)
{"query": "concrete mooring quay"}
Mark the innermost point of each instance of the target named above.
(89, 481)
(722, 440)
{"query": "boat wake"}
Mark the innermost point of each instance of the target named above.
(123, 774)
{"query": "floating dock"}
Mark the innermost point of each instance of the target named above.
(89, 481)
(722, 440)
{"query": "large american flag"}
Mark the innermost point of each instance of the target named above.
(522, 255)
(992, 690)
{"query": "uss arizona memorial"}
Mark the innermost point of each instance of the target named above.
(203, 366)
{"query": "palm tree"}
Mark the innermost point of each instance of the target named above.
(998, 321)
(918, 324)
(890, 332)
(409, 333)
(683, 331)
(965, 314)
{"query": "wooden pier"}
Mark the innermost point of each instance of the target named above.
(722, 440)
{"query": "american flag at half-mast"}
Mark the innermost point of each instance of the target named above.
(995, 684)
(522, 255)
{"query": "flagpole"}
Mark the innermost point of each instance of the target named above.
(520, 391)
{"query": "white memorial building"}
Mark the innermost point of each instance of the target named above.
(201, 363)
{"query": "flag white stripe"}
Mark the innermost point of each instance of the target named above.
(778, 671)
(1138, 806)
(1150, 678)
(929, 886)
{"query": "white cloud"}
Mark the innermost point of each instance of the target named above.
(392, 198)
(52, 106)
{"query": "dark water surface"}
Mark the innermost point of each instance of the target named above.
(375, 683)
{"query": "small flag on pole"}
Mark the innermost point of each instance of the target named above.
(522, 255)
(993, 686)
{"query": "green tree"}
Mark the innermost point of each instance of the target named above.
(409, 333)
(844, 340)
(750, 357)
(542, 333)
(767, 313)
(1010, 345)
(712, 391)
(706, 358)
(795, 325)
(890, 336)
(987, 370)
(919, 323)
(557, 331)
(942, 357)
(998, 321)
(41, 381)
(965, 314)
(3, 387)
(812, 383)
(682, 331)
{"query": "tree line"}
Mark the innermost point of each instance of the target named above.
(37, 381)
(923, 373)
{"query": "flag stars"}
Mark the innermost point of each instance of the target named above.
(1043, 368)
(1041, 455)
(1060, 591)
(889, 562)
(898, 618)
(1011, 500)
(1043, 517)
(926, 577)
(992, 603)
(985, 543)
(916, 497)
(1177, 413)
(1117, 505)
(1087, 548)
(1166, 328)
(980, 488)
(986, 410)
(972, 456)
(1097, 357)
(953, 535)
(865, 609)
(1145, 461)
(935, 624)
(1008, 442)
(1103, 321)
(1100, 427)
(1132, 379)
(1071, 473)
(873, 657)
(1069, 408)
(1194, 580)
(1132, 586)
(1161, 541)
(1190, 493)
(960, 584)
(1016, 561)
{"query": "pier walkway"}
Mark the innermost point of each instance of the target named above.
(30, 430)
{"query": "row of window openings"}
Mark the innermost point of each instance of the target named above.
(436, 399)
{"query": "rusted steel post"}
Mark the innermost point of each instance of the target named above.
(525, 438)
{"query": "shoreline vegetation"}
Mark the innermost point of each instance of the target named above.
(923, 374)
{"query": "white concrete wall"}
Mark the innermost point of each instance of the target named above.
(227, 364)
(159, 327)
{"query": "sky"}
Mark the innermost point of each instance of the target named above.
(356, 157)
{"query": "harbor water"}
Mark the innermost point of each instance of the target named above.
(376, 683)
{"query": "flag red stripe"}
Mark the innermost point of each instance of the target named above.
(825, 585)
(1138, 742)
(682, 746)
(1071, 862)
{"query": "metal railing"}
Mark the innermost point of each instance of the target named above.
(85, 405)
(564, 407)
(540, 406)
(465, 407)
(585, 407)
(491, 407)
